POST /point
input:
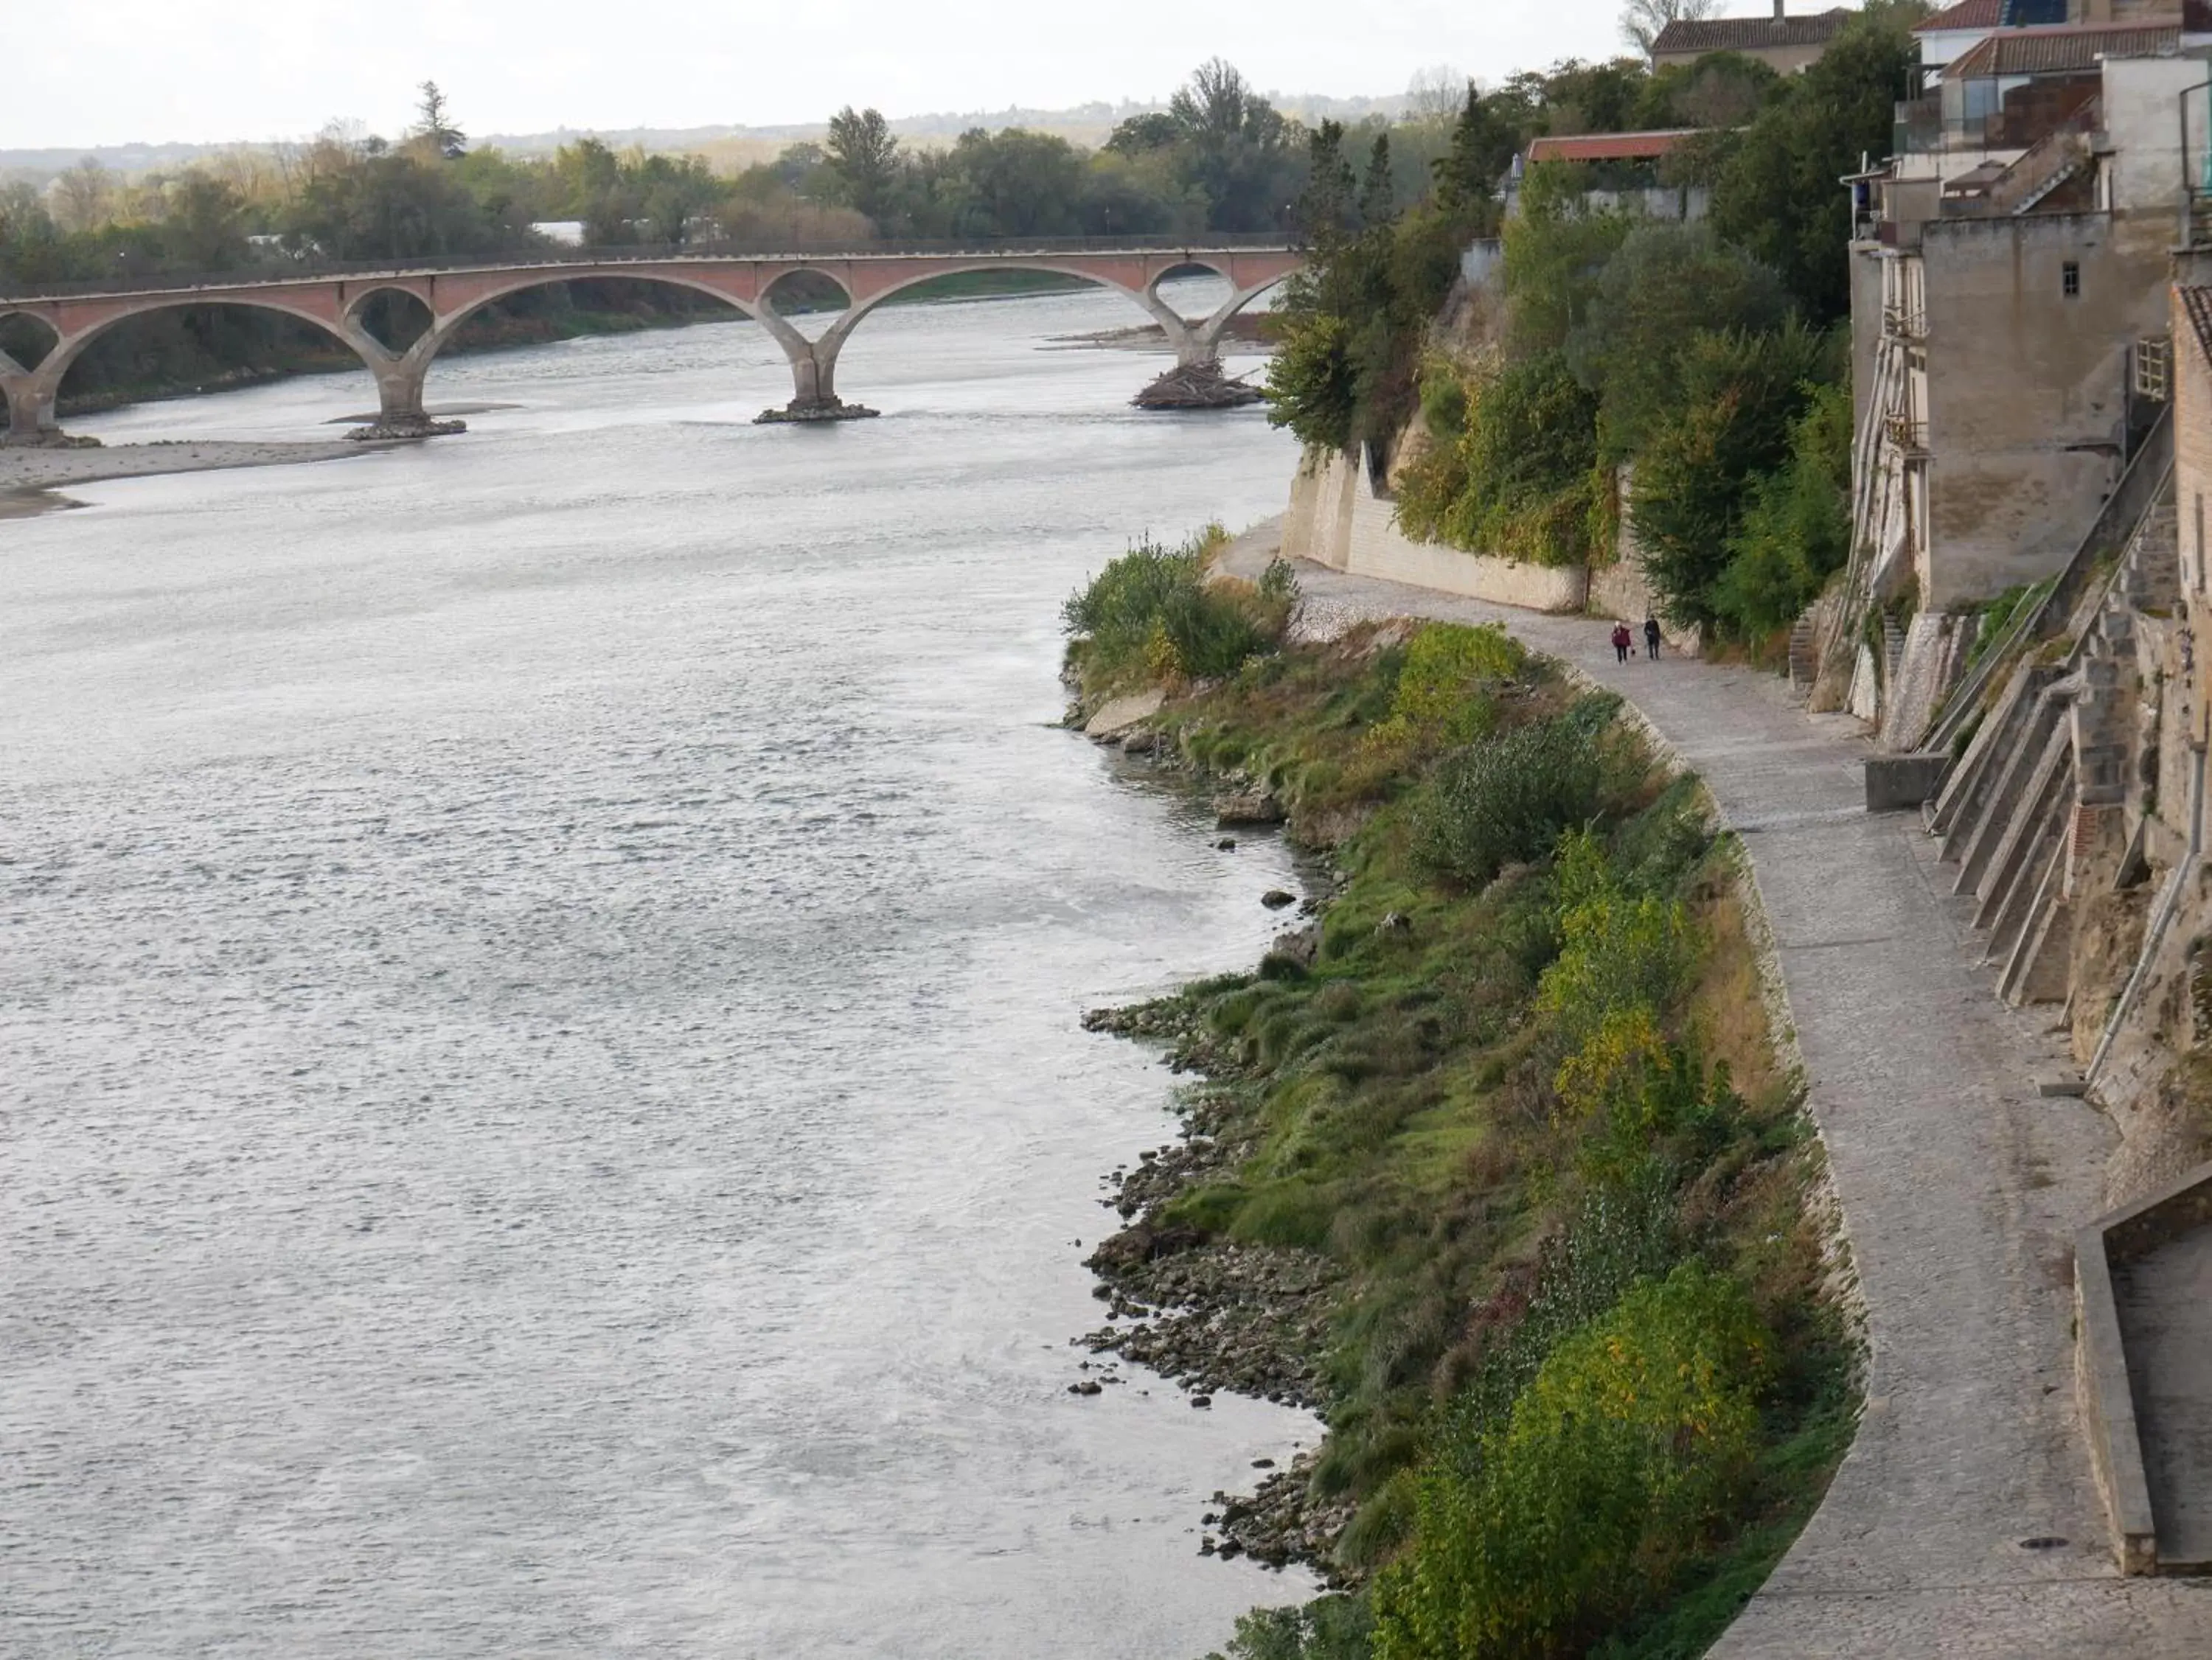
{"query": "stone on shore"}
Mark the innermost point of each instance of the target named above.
(1118, 716)
(1247, 807)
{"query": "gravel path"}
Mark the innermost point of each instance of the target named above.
(1960, 1188)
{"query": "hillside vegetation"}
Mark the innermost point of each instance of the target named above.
(1687, 379)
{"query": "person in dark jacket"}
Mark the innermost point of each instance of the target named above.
(1622, 639)
(1651, 638)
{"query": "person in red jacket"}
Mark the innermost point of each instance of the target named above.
(1622, 639)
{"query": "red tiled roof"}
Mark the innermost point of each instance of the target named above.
(1607, 146)
(1966, 14)
(2060, 47)
(1749, 33)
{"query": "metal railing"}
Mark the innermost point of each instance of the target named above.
(2050, 161)
(1904, 432)
(284, 270)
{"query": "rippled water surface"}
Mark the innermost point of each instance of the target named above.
(542, 1102)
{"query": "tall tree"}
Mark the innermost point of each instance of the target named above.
(1641, 21)
(204, 220)
(1484, 141)
(434, 125)
(1325, 204)
(83, 196)
(1378, 197)
(1436, 93)
(1017, 183)
(1774, 193)
(1235, 147)
(864, 155)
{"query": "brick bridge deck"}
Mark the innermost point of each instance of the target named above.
(451, 292)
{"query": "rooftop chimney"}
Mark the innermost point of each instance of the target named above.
(1778, 5)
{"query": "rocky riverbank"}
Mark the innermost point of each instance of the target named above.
(1213, 1315)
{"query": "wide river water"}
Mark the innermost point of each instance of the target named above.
(540, 1093)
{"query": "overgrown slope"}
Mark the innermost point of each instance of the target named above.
(1492, 1162)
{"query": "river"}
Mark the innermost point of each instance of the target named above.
(543, 1105)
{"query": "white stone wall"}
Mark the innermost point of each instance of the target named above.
(1338, 518)
(2142, 116)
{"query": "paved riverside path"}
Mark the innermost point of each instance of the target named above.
(1960, 1189)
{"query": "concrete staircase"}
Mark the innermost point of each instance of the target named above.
(1804, 653)
(2047, 761)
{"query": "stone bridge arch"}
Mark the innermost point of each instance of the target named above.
(1195, 341)
(452, 295)
(32, 390)
(452, 302)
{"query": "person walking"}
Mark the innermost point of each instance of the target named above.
(1622, 639)
(1651, 638)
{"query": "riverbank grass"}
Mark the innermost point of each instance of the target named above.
(1512, 1096)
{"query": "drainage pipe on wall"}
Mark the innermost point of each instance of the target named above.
(2168, 902)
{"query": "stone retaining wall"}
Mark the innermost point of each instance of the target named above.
(2115, 1384)
(1338, 518)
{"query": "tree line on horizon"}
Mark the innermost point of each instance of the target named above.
(1221, 157)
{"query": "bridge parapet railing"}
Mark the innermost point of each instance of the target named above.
(284, 270)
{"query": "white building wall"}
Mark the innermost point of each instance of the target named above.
(2142, 106)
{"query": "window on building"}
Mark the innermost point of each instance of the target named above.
(2152, 384)
(2070, 279)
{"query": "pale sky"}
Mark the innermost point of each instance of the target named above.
(94, 72)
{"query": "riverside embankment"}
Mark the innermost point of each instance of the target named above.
(1964, 1521)
(1491, 1151)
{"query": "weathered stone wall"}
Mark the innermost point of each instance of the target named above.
(2140, 118)
(2027, 410)
(1866, 264)
(1338, 518)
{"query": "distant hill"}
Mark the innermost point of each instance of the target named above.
(734, 145)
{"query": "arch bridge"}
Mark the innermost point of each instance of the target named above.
(451, 293)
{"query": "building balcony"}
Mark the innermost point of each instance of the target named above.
(1905, 434)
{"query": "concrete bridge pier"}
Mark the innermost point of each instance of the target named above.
(1197, 381)
(399, 412)
(813, 371)
(30, 408)
(399, 379)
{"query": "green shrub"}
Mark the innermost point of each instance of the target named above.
(1519, 479)
(1797, 531)
(1622, 950)
(2000, 614)
(1337, 1627)
(1666, 285)
(1615, 1471)
(1443, 399)
(1446, 691)
(1313, 384)
(1632, 1095)
(1621, 1235)
(1695, 479)
(1555, 256)
(1150, 615)
(1507, 799)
